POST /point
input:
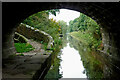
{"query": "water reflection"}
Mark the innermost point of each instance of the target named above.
(67, 63)
(71, 64)
(90, 59)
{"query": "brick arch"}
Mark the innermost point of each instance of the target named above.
(105, 14)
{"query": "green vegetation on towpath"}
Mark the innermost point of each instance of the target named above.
(23, 47)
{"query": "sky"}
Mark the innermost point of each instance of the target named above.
(65, 15)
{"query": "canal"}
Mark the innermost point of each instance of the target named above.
(71, 64)
(67, 64)
(77, 60)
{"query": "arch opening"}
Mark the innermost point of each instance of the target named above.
(110, 34)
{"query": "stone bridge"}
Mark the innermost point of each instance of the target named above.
(107, 15)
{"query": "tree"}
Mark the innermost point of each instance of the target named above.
(88, 31)
(53, 11)
(42, 22)
(63, 27)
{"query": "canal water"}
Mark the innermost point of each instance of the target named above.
(71, 65)
(67, 64)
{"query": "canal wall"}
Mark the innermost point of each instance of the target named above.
(20, 38)
(38, 35)
(30, 66)
(35, 34)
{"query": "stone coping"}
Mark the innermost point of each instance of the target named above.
(50, 42)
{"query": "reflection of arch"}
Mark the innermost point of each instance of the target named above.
(106, 14)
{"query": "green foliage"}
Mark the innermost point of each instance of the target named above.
(53, 73)
(23, 47)
(36, 20)
(45, 46)
(108, 51)
(42, 22)
(82, 23)
(63, 27)
(86, 30)
(58, 42)
(53, 11)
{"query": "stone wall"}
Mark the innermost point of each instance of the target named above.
(8, 45)
(20, 38)
(109, 44)
(32, 33)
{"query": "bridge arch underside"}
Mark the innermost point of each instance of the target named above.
(105, 14)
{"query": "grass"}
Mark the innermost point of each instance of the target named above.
(45, 46)
(87, 39)
(23, 47)
(21, 54)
